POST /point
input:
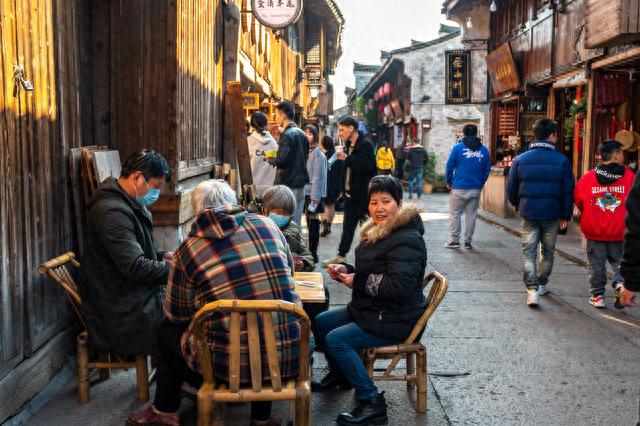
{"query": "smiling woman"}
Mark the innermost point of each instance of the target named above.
(386, 301)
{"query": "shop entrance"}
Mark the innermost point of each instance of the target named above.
(571, 112)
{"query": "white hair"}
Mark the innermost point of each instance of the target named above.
(211, 194)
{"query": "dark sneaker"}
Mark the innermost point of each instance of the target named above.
(468, 246)
(452, 245)
(368, 412)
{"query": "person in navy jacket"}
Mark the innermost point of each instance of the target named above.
(540, 186)
(467, 171)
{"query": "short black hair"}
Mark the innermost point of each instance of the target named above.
(328, 143)
(470, 130)
(544, 128)
(348, 121)
(287, 108)
(388, 184)
(260, 122)
(149, 162)
(314, 131)
(608, 148)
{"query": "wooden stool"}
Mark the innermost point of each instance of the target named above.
(415, 353)
(212, 395)
(57, 270)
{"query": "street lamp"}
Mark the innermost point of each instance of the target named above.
(469, 24)
(493, 7)
(314, 91)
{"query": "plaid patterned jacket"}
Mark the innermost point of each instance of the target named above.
(233, 254)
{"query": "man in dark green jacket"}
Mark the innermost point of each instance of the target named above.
(122, 274)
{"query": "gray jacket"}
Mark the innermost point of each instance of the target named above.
(317, 168)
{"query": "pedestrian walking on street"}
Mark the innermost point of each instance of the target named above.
(630, 266)
(467, 171)
(417, 158)
(260, 142)
(386, 302)
(316, 190)
(401, 154)
(360, 167)
(384, 160)
(291, 160)
(335, 183)
(540, 186)
(601, 196)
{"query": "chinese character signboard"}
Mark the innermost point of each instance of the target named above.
(276, 14)
(502, 70)
(250, 101)
(507, 121)
(458, 78)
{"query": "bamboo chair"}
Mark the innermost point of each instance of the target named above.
(413, 352)
(57, 270)
(213, 394)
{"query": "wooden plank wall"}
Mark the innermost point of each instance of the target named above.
(199, 81)
(38, 129)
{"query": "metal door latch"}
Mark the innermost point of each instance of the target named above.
(20, 82)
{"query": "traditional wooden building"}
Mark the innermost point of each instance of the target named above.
(571, 61)
(126, 75)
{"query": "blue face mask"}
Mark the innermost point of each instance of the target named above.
(150, 197)
(279, 219)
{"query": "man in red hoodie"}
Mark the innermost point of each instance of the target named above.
(601, 196)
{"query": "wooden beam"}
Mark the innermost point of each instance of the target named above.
(620, 57)
(234, 116)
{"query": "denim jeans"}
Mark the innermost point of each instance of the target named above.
(297, 215)
(598, 253)
(538, 235)
(341, 340)
(463, 201)
(415, 178)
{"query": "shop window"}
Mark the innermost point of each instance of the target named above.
(292, 37)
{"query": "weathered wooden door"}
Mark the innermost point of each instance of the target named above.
(36, 131)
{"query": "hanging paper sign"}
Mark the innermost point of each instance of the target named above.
(458, 78)
(276, 14)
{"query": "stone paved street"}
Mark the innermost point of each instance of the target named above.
(561, 364)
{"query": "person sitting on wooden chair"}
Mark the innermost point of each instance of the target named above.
(386, 302)
(122, 274)
(230, 254)
(279, 206)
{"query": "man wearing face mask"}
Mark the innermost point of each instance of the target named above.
(122, 274)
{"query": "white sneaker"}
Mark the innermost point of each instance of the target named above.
(542, 290)
(532, 297)
(597, 302)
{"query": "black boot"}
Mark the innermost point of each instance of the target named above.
(371, 411)
(314, 237)
(332, 380)
(326, 228)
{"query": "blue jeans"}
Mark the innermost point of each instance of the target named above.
(341, 339)
(535, 234)
(415, 178)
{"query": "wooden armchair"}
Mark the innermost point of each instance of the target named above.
(411, 349)
(57, 270)
(212, 393)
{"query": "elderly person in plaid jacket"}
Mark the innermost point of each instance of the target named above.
(230, 254)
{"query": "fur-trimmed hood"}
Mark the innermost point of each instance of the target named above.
(372, 233)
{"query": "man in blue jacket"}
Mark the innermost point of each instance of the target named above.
(540, 186)
(467, 171)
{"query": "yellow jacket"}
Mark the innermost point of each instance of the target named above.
(384, 159)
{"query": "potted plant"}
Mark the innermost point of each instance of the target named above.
(429, 173)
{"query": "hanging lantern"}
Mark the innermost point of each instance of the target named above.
(375, 97)
(380, 92)
(387, 89)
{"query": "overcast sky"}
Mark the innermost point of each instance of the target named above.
(374, 25)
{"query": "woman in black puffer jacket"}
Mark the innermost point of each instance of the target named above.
(387, 298)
